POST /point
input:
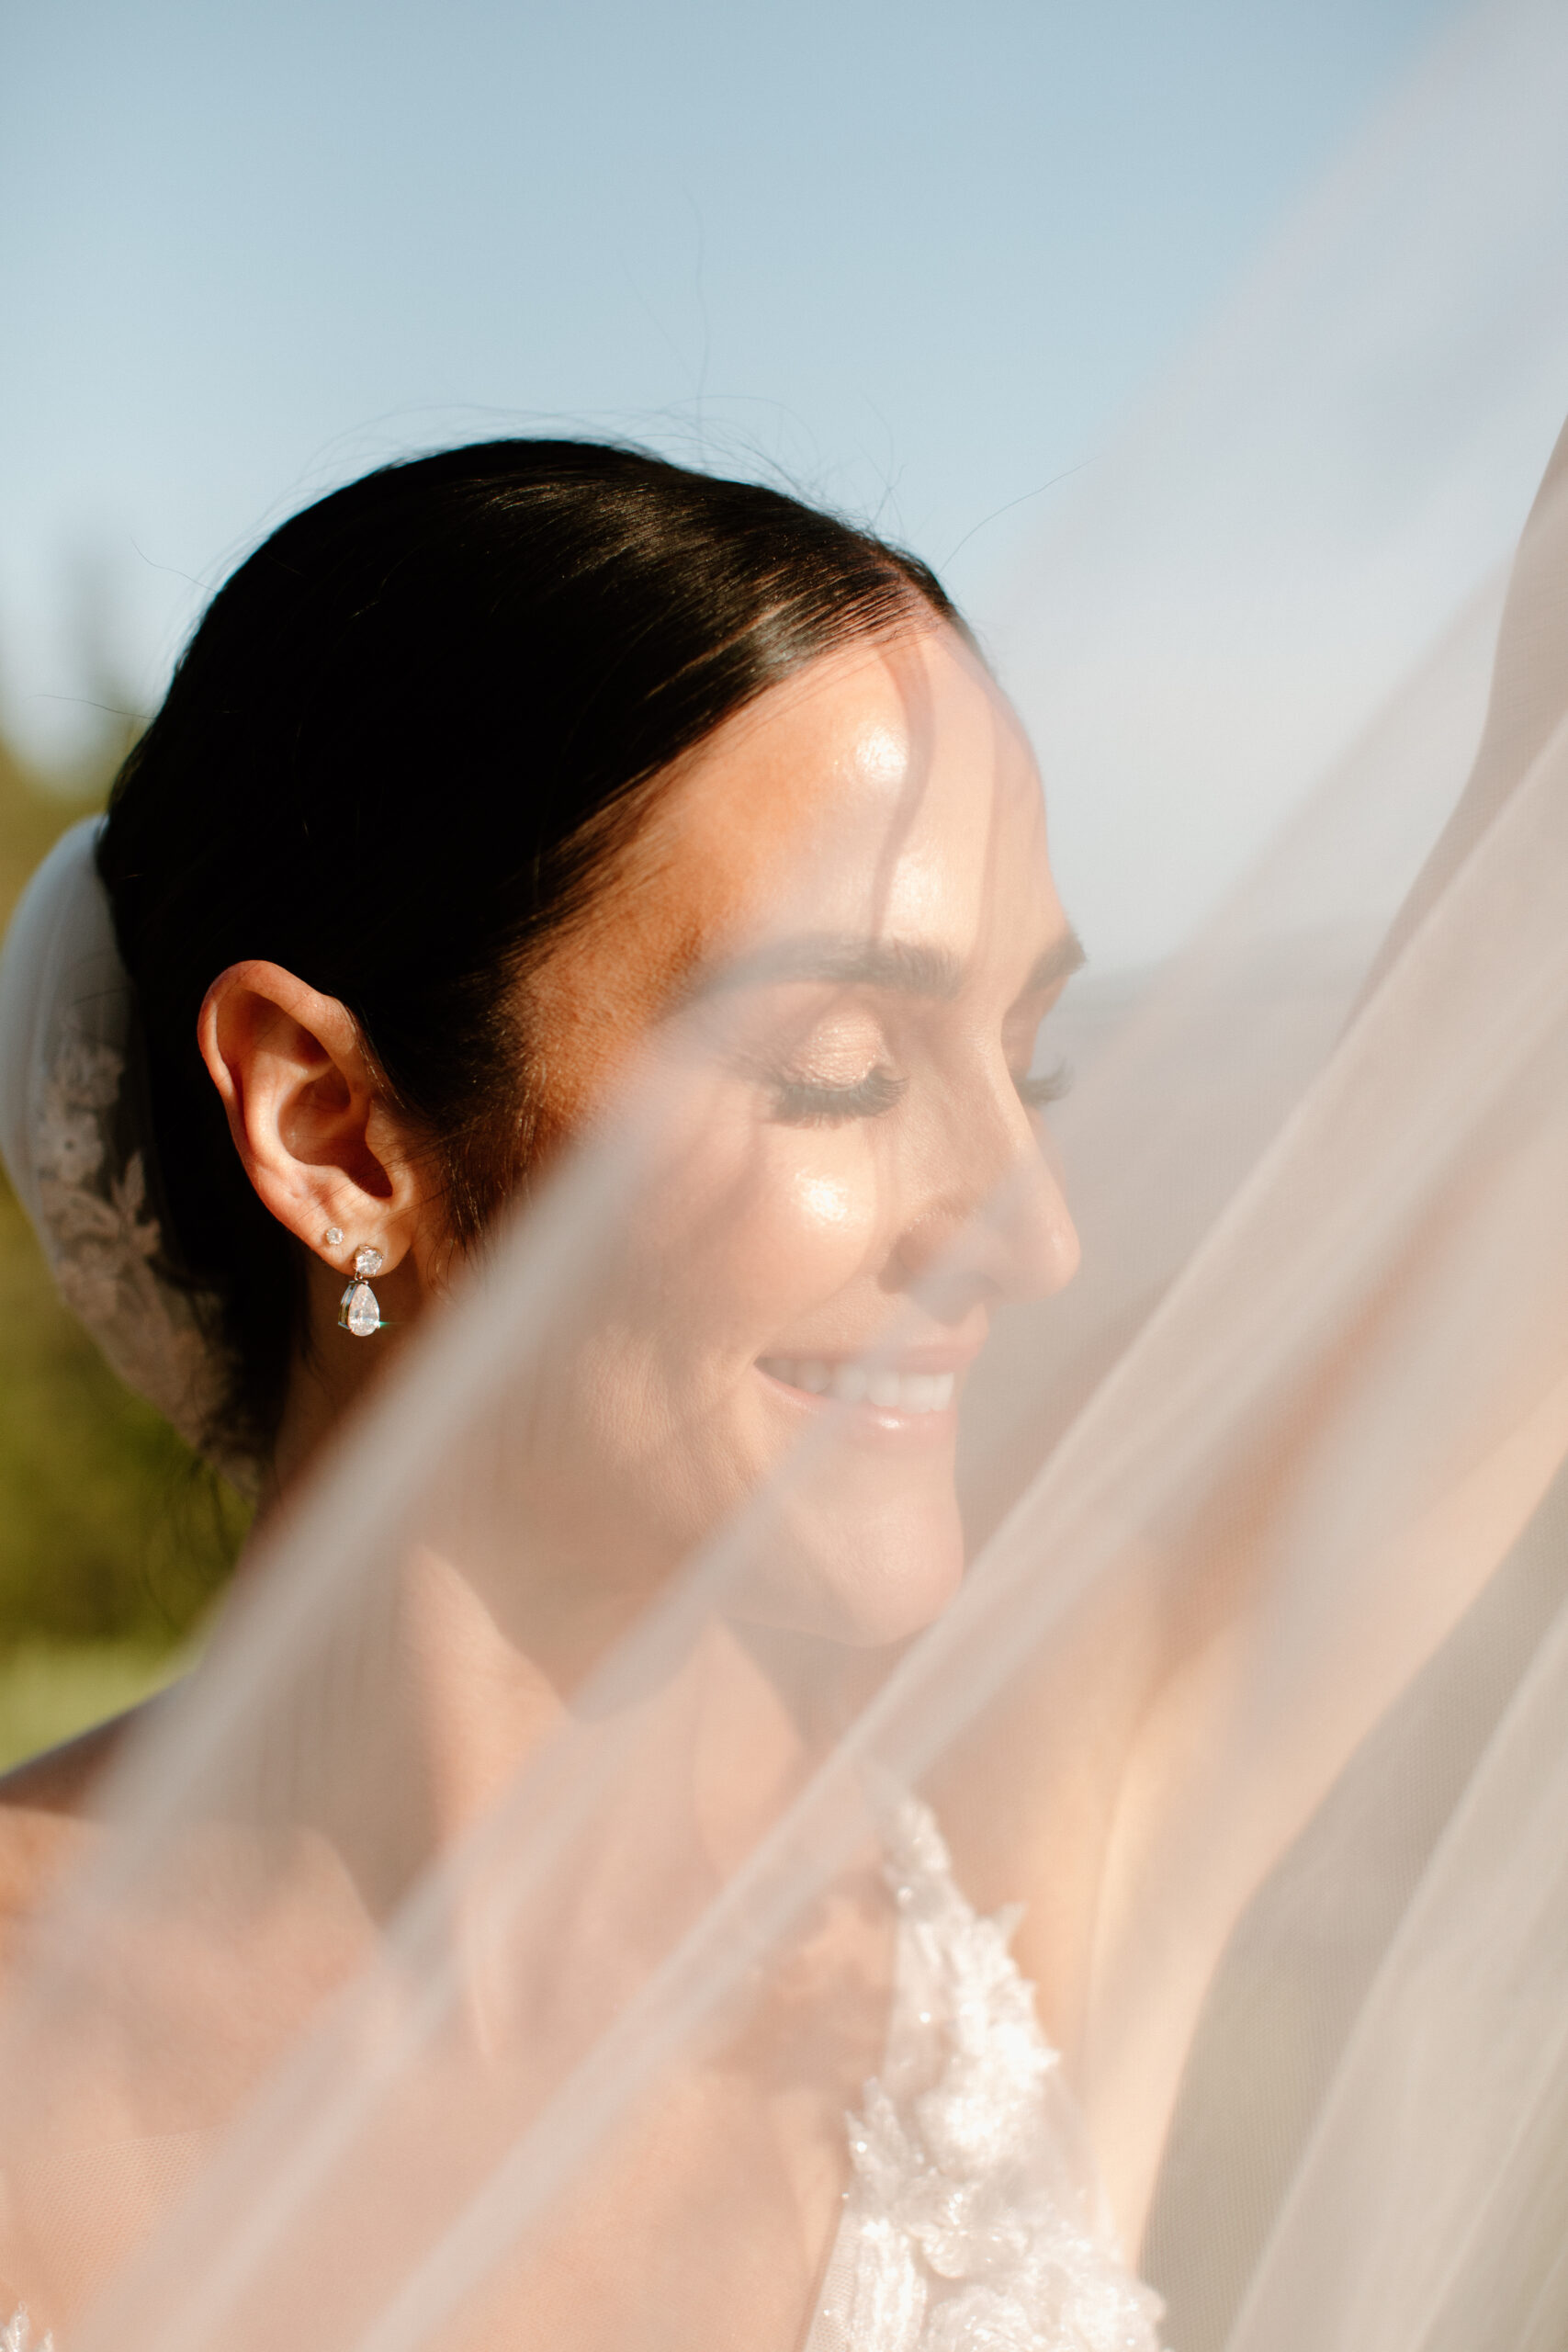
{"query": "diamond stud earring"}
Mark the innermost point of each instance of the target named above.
(332, 1236)
(360, 1311)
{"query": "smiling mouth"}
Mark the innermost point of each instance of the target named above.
(855, 1383)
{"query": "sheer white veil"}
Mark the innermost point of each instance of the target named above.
(446, 1966)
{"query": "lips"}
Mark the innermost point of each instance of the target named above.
(854, 1384)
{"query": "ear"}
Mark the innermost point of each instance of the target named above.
(314, 1135)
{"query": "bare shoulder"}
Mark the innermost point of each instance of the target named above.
(48, 1818)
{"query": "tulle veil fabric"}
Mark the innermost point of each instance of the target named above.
(457, 1960)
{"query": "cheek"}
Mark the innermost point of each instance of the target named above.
(794, 1222)
(747, 1233)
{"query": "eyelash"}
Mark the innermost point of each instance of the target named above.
(1034, 1093)
(799, 1103)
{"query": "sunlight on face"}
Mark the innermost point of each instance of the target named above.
(848, 895)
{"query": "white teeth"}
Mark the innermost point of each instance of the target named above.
(851, 1383)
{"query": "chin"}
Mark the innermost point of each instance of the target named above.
(866, 1578)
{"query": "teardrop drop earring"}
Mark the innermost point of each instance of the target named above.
(360, 1311)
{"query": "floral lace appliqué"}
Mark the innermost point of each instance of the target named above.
(969, 2225)
(17, 2335)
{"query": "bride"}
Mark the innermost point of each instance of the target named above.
(571, 1120)
(470, 776)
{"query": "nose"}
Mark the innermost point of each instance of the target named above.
(994, 1226)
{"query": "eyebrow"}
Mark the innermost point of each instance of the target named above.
(908, 967)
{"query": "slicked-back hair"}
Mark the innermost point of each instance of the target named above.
(404, 745)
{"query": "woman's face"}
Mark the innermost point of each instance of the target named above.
(845, 896)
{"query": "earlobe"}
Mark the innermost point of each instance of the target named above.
(302, 1106)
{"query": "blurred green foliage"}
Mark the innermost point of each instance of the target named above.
(113, 1535)
(48, 1690)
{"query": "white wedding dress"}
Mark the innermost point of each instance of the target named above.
(965, 2227)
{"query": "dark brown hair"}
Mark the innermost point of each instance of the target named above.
(403, 745)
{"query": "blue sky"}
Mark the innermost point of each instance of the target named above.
(921, 258)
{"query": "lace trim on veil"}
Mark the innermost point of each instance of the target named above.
(968, 2226)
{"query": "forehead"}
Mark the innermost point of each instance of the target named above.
(888, 788)
(885, 793)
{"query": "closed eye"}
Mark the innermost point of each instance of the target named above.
(803, 1102)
